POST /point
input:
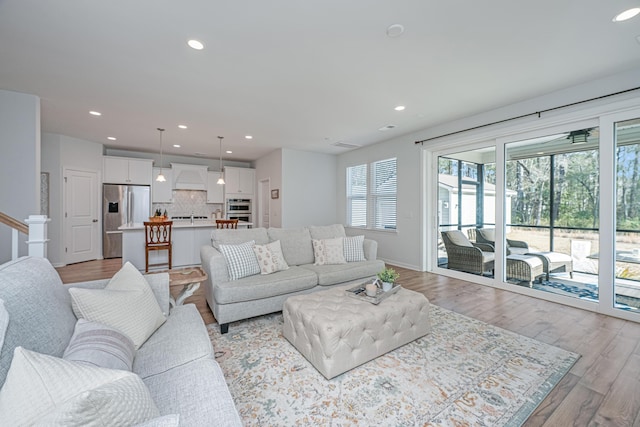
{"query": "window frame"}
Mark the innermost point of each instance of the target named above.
(375, 197)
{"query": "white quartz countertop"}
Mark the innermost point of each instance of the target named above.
(184, 223)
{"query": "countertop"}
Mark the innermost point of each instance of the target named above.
(184, 223)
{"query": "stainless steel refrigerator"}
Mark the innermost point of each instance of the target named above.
(122, 204)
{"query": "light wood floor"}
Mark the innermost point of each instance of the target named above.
(602, 388)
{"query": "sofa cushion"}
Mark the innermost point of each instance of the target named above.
(204, 398)
(327, 231)
(233, 237)
(241, 260)
(100, 345)
(171, 420)
(52, 391)
(354, 248)
(270, 257)
(258, 287)
(181, 339)
(328, 251)
(39, 307)
(295, 243)
(127, 303)
(338, 273)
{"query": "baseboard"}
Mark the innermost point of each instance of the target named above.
(401, 264)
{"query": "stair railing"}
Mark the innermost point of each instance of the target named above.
(36, 230)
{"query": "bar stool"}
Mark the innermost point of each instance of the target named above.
(157, 238)
(227, 223)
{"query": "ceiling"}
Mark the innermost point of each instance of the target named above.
(296, 74)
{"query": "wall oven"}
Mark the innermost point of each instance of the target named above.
(239, 205)
(239, 217)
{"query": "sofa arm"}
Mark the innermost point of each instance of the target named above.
(214, 264)
(159, 283)
(370, 249)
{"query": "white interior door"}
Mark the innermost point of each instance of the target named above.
(265, 199)
(81, 219)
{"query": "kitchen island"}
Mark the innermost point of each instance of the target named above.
(187, 238)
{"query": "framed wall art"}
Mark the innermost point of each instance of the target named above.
(275, 194)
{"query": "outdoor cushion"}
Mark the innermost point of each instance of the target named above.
(489, 234)
(296, 244)
(338, 273)
(458, 239)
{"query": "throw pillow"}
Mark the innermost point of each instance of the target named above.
(354, 249)
(48, 390)
(100, 345)
(127, 304)
(270, 257)
(4, 322)
(241, 260)
(328, 251)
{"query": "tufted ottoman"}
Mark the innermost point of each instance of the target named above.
(336, 332)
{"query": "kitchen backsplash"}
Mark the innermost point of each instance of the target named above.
(186, 202)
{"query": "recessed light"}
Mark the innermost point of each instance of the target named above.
(176, 145)
(248, 137)
(395, 30)
(95, 113)
(229, 152)
(627, 14)
(111, 138)
(195, 44)
(400, 108)
(182, 126)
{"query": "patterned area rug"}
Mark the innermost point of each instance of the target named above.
(464, 373)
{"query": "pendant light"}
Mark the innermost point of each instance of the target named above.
(221, 179)
(161, 177)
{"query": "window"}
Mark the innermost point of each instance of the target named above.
(371, 195)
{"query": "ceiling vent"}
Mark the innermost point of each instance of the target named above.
(345, 145)
(386, 128)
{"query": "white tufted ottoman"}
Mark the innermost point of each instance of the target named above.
(336, 332)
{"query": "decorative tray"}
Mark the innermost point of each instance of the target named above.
(358, 292)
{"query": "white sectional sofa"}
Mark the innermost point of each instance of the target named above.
(232, 300)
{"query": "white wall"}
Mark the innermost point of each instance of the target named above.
(270, 167)
(167, 159)
(19, 163)
(308, 190)
(60, 152)
(402, 246)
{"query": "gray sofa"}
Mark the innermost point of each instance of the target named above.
(232, 300)
(176, 363)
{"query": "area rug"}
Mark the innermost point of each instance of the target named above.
(464, 373)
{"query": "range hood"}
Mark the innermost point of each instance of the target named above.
(188, 177)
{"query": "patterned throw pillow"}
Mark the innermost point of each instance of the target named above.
(328, 251)
(270, 257)
(241, 260)
(127, 304)
(353, 249)
(101, 346)
(46, 390)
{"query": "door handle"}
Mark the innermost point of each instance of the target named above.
(94, 220)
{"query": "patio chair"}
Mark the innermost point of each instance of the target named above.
(514, 247)
(465, 256)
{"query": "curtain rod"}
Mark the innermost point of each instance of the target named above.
(537, 113)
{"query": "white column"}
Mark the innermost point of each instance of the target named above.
(37, 235)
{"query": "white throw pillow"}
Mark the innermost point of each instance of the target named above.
(101, 346)
(241, 260)
(270, 257)
(46, 390)
(127, 304)
(354, 249)
(328, 251)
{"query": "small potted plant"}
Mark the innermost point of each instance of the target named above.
(388, 276)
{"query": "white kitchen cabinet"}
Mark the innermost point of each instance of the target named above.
(123, 170)
(215, 192)
(161, 192)
(239, 181)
